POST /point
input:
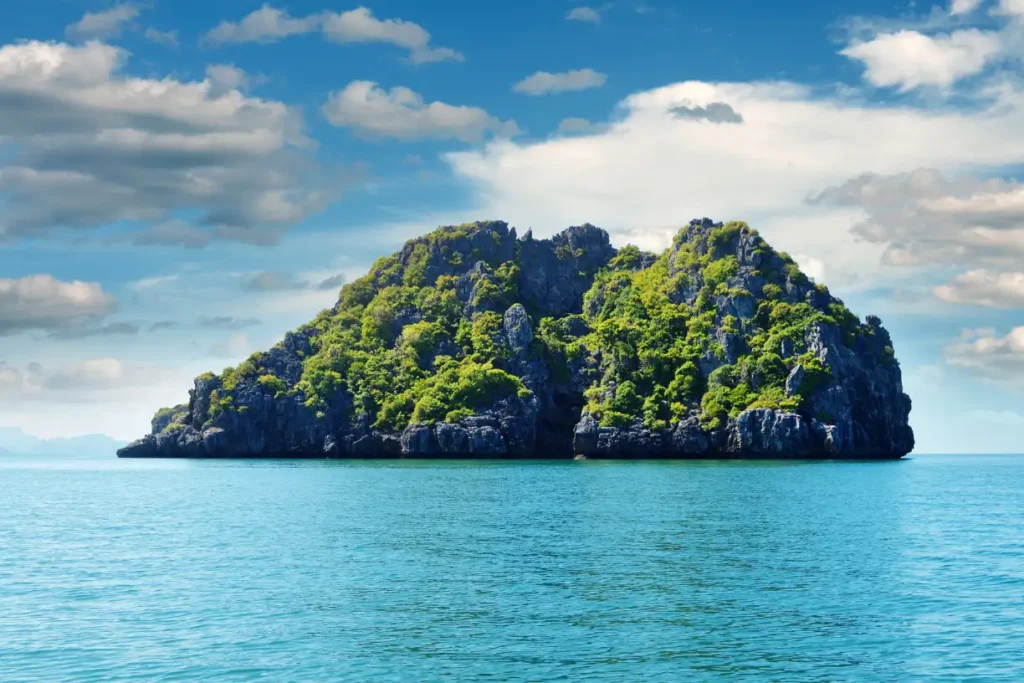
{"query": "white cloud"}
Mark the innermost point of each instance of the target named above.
(360, 26)
(926, 217)
(650, 171)
(587, 14)
(42, 302)
(265, 25)
(574, 126)
(226, 77)
(103, 25)
(96, 395)
(909, 59)
(1011, 7)
(982, 353)
(832, 274)
(92, 374)
(957, 7)
(544, 83)
(813, 268)
(982, 287)
(165, 38)
(402, 113)
(270, 25)
(95, 146)
(75, 382)
(997, 204)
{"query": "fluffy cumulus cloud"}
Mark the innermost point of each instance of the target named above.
(585, 14)
(103, 25)
(964, 6)
(909, 59)
(360, 26)
(269, 25)
(983, 287)
(401, 113)
(226, 77)
(265, 25)
(941, 49)
(1012, 7)
(987, 355)
(651, 169)
(42, 302)
(544, 83)
(926, 217)
(88, 146)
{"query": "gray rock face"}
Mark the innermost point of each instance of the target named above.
(770, 433)
(858, 410)
(518, 330)
(795, 380)
(558, 272)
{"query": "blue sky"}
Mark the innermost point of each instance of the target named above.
(180, 183)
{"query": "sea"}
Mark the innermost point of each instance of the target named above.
(395, 570)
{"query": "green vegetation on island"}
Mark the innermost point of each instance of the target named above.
(714, 326)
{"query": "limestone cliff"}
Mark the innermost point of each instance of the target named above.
(473, 342)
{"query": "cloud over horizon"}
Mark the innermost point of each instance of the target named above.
(985, 354)
(648, 171)
(103, 25)
(42, 302)
(98, 147)
(403, 114)
(270, 25)
(545, 83)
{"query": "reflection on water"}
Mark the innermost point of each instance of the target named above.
(142, 570)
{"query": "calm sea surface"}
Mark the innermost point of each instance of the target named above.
(114, 570)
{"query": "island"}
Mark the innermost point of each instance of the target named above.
(474, 342)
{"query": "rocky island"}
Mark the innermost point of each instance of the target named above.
(473, 342)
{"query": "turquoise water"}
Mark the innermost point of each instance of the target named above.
(114, 570)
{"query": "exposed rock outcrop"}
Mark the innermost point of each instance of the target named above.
(472, 343)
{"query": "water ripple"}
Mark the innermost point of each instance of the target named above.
(426, 571)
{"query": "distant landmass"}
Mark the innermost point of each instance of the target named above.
(15, 441)
(471, 341)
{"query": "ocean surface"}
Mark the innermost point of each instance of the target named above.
(129, 570)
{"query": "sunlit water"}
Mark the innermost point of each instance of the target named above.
(114, 570)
